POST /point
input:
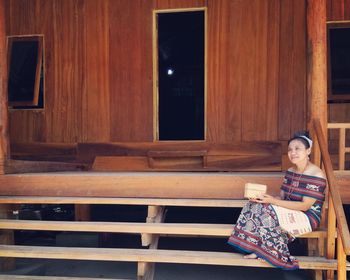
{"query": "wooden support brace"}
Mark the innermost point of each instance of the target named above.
(315, 250)
(6, 237)
(82, 212)
(331, 232)
(156, 214)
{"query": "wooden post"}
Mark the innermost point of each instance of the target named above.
(3, 90)
(6, 237)
(341, 256)
(317, 65)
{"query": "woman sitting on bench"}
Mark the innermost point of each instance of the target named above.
(267, 224)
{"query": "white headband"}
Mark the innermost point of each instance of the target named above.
(307, 139)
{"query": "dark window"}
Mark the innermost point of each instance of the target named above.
(181, 57)
(25, 82)
(339, 62)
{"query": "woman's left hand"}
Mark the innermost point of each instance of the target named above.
(263, 198)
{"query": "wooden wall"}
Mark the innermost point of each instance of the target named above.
(98, 78)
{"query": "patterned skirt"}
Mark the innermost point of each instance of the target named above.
(258, 231)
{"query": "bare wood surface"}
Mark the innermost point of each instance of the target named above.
(338, 10)
(150, 255)
(82, 212)
(4, 137)
(341, 148)
(145, 185)
(333, 189)
(123, 201)
(341, 258)
(223, 230)
(84, 52)
(36, 277)
(29, 166)
(317, 65)
(338, 125)
(44, 151)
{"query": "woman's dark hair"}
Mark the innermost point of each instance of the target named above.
(301, 137)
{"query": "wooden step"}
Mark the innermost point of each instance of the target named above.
(142, 184)
(34, 277)
(220, 230)
(124, 201)
(153, 256)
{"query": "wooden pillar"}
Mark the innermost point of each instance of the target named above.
(3, 91)
(317, 66)
(6, 237)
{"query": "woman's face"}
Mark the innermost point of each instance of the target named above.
(297, 152)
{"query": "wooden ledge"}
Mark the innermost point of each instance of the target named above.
(152, 256)
(165, 154)
(34, 277)
(180, 229)
(189, 202)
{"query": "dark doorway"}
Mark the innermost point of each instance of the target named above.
(181, 60)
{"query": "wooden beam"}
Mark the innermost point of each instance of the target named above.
(6, 237)
(3, 90)
(35, 277)
(317, 65)
(151, 255)
(156, 185)
(157, 228)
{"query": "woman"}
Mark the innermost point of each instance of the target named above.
(267, 224)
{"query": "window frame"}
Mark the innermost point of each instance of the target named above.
(40, 67)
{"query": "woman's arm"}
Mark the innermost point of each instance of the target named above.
(303, 205)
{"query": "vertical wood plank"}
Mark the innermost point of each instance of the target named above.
(96, 98)
(65, 119)
(178, 4)
(292, 79)
(341, 148)
(317, 65)
(222, 99)
(131, 70)
(4, 137)
(272, 61)
(341, 258)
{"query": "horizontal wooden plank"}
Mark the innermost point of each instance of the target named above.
(176, 153)
(196, 202)
(152, 255)
(258, 150)
(121, 163)
(36, 277)
(221, 230)
(44, 151)
(138, 184)
(338, 125)
(26, 166)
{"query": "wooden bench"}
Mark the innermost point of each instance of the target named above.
(150, 231)
(29, 277)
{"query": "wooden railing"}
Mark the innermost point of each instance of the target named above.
(336, 215)
(343, 149)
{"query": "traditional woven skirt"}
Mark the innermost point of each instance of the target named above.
(259, 231)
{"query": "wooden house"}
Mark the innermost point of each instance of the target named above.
(264, 77)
